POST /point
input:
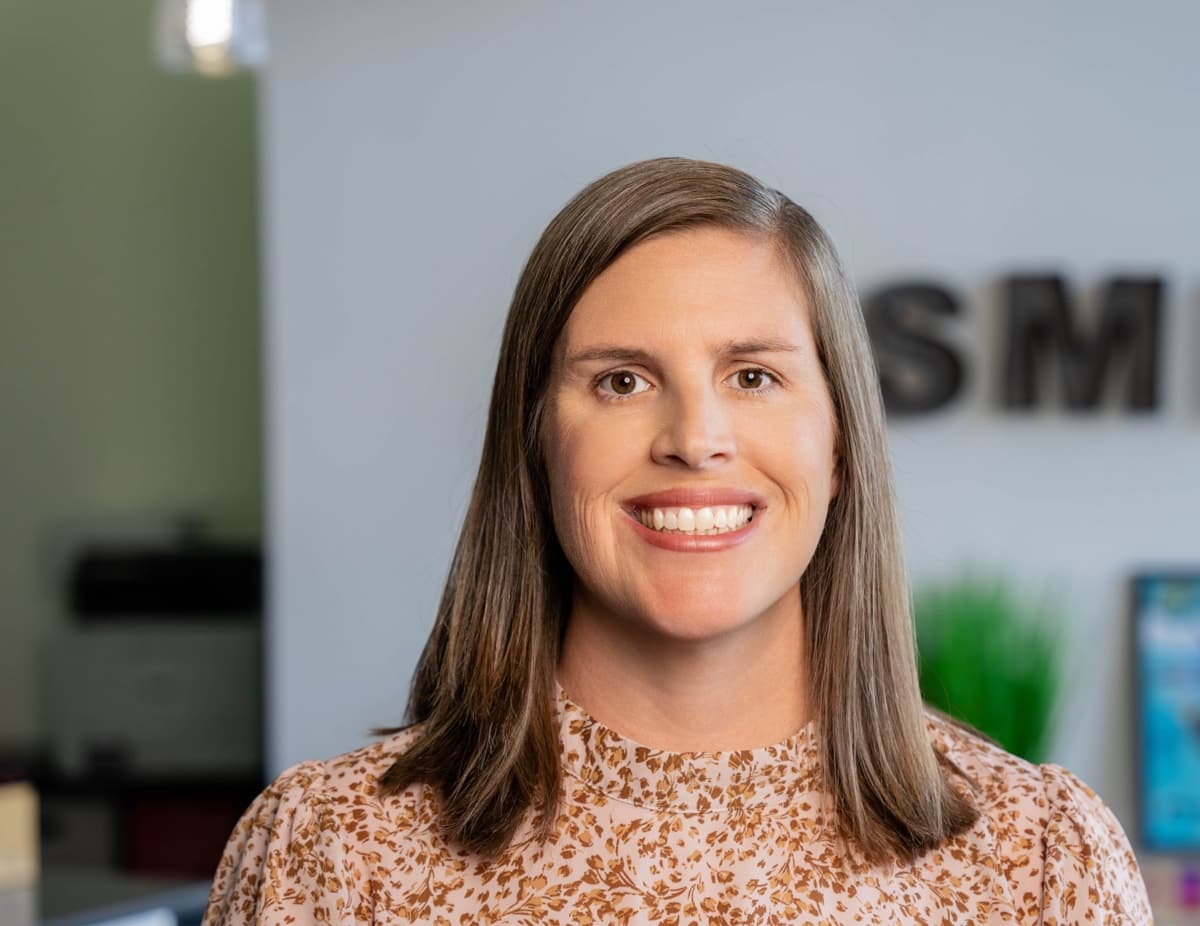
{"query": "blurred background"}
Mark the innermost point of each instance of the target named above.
(251, 295)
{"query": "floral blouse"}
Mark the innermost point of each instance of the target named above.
(646, 836)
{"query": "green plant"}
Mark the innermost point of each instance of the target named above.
(991, 659)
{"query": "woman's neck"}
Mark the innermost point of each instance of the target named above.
(743, 690)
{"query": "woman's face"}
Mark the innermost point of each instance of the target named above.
(687, 379)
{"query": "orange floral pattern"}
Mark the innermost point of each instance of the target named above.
(646, 836)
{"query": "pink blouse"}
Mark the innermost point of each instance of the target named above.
(646, 836)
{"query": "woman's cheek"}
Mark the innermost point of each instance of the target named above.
(585, 475)
(571, 512)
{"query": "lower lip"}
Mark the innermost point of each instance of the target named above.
(691, 543)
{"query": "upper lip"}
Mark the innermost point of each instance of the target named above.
(696, 497)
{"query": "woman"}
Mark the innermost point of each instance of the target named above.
(672, 676)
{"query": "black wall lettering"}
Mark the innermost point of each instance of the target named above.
(917, 371)
(1041, 323)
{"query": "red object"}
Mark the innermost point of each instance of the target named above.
(178, 836)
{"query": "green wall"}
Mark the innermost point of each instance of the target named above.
(129, 307)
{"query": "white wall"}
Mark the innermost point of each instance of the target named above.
(414, 151)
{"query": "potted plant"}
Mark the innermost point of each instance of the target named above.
(991, 659)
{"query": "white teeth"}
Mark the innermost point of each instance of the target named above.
(714, 520)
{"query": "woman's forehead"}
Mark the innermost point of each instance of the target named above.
(709, 285)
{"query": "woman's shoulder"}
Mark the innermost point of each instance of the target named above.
(1055, 838)
(992, 776)
(1000, 781)
(344, 780)
(311, 842)
(351, 776)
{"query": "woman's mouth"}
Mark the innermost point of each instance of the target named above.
(696, 522)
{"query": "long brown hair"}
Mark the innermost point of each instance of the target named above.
(484, 687)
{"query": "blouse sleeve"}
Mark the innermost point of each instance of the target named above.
(283, 863)
(1090, 873)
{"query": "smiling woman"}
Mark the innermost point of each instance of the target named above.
(672, 675)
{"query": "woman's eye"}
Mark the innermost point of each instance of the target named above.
(621, 384)
(752, 378)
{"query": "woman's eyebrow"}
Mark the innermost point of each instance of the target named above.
(757, 346)
(724, 349)
(609, 352)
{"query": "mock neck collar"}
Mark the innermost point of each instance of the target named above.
(684, 782)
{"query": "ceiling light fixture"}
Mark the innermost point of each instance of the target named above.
(214, 38)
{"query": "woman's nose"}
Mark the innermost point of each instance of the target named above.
(697, 429)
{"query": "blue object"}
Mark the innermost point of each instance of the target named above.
(1167, 635)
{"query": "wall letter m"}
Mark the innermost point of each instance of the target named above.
(1041, 323)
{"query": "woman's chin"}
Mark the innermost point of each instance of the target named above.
(695, 622)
